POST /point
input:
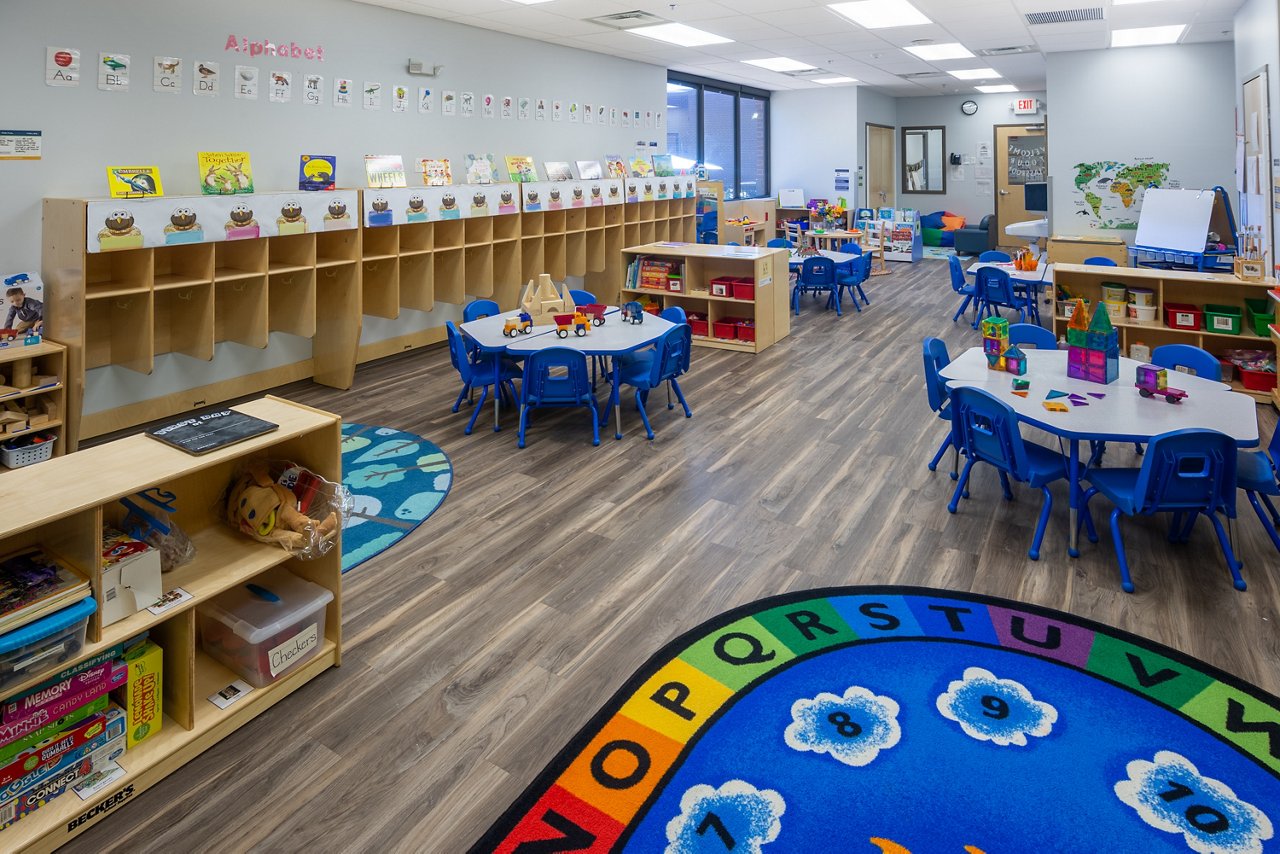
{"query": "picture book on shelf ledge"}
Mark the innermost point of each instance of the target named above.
(641, 167)
(384, 171)
(225, 173)
(134, 182)
(317, 172)
(33, 585)
(436, 173)
(590, 170)
(617, 166)
(662, 166)
(482, 169)
(521, 169)
(558, 170)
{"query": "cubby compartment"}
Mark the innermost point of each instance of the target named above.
(114, 273)
(239, 259)
(337, 247)
(450, 234)
(291, 252)
(381, 242)
(506, 274)
(450, 282)
(595, 217)
(118, 331)
(631, 235)
(182, 266)
(338, 320)
(595, 250)
(382, 288)
(240, 311)
(631, 211)
(417, 290)
(644, 211)
(553, 222)
(614, 215)
(506, 228)
(183, 321)
(478, 266)
(648, 231)
(416, 237)
(575, 219)
(661, 209)
(532, 257)
(662, 230)
(555, 257)
(478, 231)
(576, 253)
(291, 304)
(531, 225)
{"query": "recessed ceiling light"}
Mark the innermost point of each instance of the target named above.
(975, 73)
(779, 63)
(829, 81)
(935, 52)
(998, 89)
(679, 34)
(1147, 35)
(878, 14)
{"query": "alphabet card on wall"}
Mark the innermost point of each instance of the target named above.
(342, 89)
(468, 104)
(449, 102)
(486, 106)
(313, 90)
(246, 83)
(400, 99)
(372, 95)
(166, 75)
(205, 80)
(280, 87)
(62, 66)
(557, 111)
(588, 114)
(600, 114)
(574, 109)
(113, 72)
(525, 108)
(626, 118)
(540, 112)
(225, 173)
(508, 106)
(426, 99)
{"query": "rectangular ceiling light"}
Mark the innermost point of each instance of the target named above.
(831, 81)
(779, 63)
(975, 73)
(679, 34)
(936, 52)
(879, 14)
(997, 90)
(1147, 35)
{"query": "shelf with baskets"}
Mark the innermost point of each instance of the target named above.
(33, 402)
(65, 517)
(736, 298)
(1215, 311)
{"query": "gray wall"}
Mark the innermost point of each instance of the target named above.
(1174, 104)
(1257, 44)
(813, 133)
(877, 109)
(86, 130)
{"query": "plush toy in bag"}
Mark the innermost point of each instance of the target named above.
(295, 509)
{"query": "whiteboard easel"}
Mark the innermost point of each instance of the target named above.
(1177, 220)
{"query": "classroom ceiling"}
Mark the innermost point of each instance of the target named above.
(807, 31)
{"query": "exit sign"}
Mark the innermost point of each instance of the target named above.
(1026, 106)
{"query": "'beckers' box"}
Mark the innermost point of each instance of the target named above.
(267, 627)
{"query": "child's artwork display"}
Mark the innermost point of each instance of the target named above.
(662, 166)
(590, 170)
(134, 182)
(521, 169)
(616, 165)
(558, 170)
(317, 172)
(436, 173)
(482, 169)
(384, 170)
(225, 173)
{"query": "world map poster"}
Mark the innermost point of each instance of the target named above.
(1109, 193)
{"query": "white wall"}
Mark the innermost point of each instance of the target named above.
(813, 133)
(1174, 104)
(1257, 44)
(86, 130)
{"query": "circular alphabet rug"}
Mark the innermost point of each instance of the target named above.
(902, 719)
(396, 481)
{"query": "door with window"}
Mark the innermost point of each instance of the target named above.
(1022, 157)
(879, 176)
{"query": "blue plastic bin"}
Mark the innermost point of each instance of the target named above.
(44, 643)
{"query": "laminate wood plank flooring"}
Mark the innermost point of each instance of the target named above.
(479, 644)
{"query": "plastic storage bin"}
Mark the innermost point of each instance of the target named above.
(722, 286)
(1142, 296)
(44, 643)
(746, 330)
(1144, 313)
(697, 323)
(1222, 318)
(1257, 380)
(1261, 315)
(744, 289)
(265, 628)
(1116, 310)
(1112, 292)
(1179, 315)
(726, 328)
(25, 455)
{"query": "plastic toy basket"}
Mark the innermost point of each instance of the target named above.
(16, 458)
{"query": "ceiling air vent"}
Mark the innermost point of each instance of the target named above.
(1065, 16)
(627, 20)
(1007, 51)
(922, 75)
(809, 72)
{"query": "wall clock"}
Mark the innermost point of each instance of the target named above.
(969, 107)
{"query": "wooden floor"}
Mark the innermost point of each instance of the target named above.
(478, 645)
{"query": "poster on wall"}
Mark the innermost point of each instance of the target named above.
(648, 118)
(20, 144)
(1107, 194)
(540, 111)
(113, 72)
(557, 110)
(524, 109)
(426, 99)
(984, 151)
(313, 90)
(400, 99)
(204, 80)
(626, 118)
(613, 116)
(468, 104)
(449, 102)
(657, 119)
(372, 98)
(574, 109)
(61, 66)
(342, 88)
(166, 75)
(486, 106)
(600, 114)
(508, 106)
(280, 87)
(246, 83)
(588, 114)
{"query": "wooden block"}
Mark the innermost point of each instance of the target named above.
(37, 419)
(22, 373)
(50, 407)
(44, 379)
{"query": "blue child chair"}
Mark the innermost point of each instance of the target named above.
(674, 314)
(994, 256)
(664, 364)
(556, 376)
(960, 286)
(480, 373)
(859, 272)
(850, 249)
(478, 308)
(936, 358)
(1256, 474)
(817, 274)
(986, 429)
(1029, 334)
(1099, 261)
(779, 243)
(1174, 356)
(582, 297)
(994, 290)
(1183, 472)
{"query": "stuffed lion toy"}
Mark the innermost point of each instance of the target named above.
(268, 512)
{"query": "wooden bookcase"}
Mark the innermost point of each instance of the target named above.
(66, 514)
(19, 363)
(770, 310)
(1170, 286)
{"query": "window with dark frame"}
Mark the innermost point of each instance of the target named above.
(725, 127)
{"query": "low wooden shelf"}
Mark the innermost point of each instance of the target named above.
(48, 358)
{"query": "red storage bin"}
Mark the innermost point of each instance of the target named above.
(722, 286)
(744, 289)
(1179, 315)
(746, 330)
(697, 323)
(726, 329)
(1257, 380)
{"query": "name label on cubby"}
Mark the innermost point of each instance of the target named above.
(140, 223)
(404, 205)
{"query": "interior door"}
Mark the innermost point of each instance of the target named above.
(1021, 156)
(880, 177)
(1255, 209)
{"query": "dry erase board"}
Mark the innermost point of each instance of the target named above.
(200, 434)
(1175, 219)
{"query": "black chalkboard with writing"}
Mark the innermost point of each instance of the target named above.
(208, 431)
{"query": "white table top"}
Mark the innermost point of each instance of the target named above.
(838, 257)
(610, 339)
(1042, 274)
(1123, 415)
(487, 331)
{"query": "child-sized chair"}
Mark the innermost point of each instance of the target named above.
(1099, 261)
(859, 272)
(1174, 356)
(817, 274)
(994, 256)
(478, 308)
(960, 286)
(651, 368)
(1256, 474)
(1029, 334)
(480, 373)
(556, 376)
(936, 358)
(582, 297)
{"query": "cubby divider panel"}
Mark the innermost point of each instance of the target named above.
(382, 288)
(292, 303)
(240, 311)
(184, 321)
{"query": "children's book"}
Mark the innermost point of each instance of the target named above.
(317, 171)
(384, 170)
(558, 170)
(134, 182)
(662, 166)
(482, 169)
(521, 169)
(590, 170)
(33, 584)
(617, 166)
(641, 167)
(436, 173)
(224, 173)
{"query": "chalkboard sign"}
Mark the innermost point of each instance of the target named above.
(1028, 159)
(200, 434)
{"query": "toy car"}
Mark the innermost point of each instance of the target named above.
(595, 311)
(632, 312)
(1152, 381)
(519, 325)
(578, 322)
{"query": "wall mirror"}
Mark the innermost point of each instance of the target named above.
(924, 160)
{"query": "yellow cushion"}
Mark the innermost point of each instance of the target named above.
(951, 223)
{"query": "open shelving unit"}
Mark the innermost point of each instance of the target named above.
(1170, 286)
(65, 516)
(19, 364)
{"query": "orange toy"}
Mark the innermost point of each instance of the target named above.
(268, 512)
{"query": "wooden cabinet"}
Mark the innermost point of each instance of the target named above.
(1074, 250)
(1170, 286)
(769, 309)
(65, 516)
(20, 366)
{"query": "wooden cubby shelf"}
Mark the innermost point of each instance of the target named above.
(47, 404)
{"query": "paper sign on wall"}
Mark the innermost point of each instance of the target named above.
(574, 109)
(524, 108)
(113, 72)
(557, 111)
(313, 90)
(508, 106)
(400, 99)
(342, 88)
(613, 116)
(20, 144)
(449, 102)
(468, 104)
(166, 75)
(426, 100)
(486, 106)
(588, 114)
(280, 87)
(62, 66)
(204, 80)
(372, 99)
(246, 83)
(540, 111)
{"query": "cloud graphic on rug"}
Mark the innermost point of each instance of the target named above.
(1171, 794)
(735, 817)
(1001, 711)
(852, 729)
